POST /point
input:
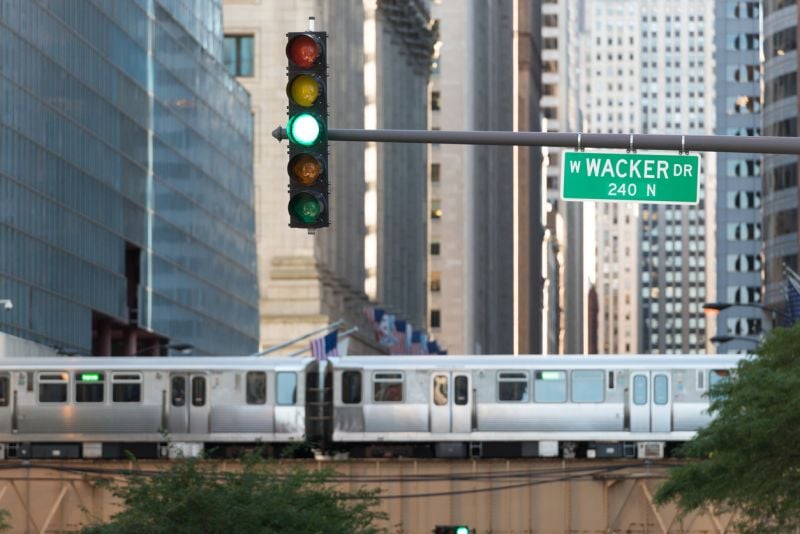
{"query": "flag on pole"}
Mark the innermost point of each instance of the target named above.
(399, 347)
(343, 346)
(385, 333)
(324, 347)
(792, 296)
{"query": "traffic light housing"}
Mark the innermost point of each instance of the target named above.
(307, 129)
(452, 529)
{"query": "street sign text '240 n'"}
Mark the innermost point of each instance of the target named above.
(632, 177)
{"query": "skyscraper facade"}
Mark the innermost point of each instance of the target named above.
(126, 215)
(486, 234)
(562, 22)
(780, 192)
(739, 177)
(648, 68)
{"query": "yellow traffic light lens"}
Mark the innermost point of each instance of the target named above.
(304, 90)
(305, 207)
(304, 129)
(305, 168)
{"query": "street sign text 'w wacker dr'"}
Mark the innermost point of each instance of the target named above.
(625, 177)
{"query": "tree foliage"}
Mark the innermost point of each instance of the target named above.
(751, 450)
(192, 496)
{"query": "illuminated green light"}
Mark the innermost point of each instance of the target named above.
(90, 377)
(551, 375)
(462, 530)
(305, 207)
(304, 129)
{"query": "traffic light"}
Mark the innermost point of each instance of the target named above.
(307, 130)
(452, 529)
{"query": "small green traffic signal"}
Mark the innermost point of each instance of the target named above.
(307, 130)
(304, 129)
(452, 529)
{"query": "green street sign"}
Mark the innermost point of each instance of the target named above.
(631, 177)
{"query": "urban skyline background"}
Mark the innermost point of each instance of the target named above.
(143, 203)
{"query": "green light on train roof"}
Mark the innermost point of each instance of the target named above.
(551, 375)
(90, 377)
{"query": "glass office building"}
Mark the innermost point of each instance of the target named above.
(126, 191)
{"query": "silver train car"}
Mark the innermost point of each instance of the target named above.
(474, 406)
(101, 407)
(523, 406)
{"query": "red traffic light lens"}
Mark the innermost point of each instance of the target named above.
(303, 51)
(305, 168)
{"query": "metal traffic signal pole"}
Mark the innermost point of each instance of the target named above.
(631, 142)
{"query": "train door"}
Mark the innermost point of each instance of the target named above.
(450, 402)
(650, 401)
(188, 411)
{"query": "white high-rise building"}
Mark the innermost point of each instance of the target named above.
(649, 69)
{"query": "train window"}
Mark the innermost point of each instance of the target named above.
(512, 387)
(256, 387)
(4, 390)
(388, 387)
(550, 386)
(440, 390)
(660, 390)
(640, 390)
(287, 389)
(461, 390)
(126, 387)
(53, 387)
(717, 375)
(587, 386)
(178, 390)
(351, 387)
(701, 380)
(198, 391)
(89, 386)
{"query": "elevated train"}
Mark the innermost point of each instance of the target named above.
(443, 406)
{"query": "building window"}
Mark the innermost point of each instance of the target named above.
(238, 54)
(436, 101)
(436, 170)
(436, 319)
(436, 281)
(436, 248)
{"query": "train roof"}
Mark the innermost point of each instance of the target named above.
(644, 361)
(133, 363)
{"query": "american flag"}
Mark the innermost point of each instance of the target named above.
(324, 347)
(792, 297)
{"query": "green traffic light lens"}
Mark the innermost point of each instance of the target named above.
(305, 207)
(304, 129)
(462, 530)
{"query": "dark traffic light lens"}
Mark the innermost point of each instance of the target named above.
(305, 168)
(303, 51)
(305, 207)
